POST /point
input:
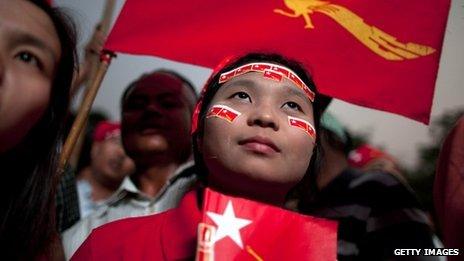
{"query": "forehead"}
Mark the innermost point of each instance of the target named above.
(23, 16)
(158, 84)
(259, 82)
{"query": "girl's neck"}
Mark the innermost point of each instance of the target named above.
(267, 193)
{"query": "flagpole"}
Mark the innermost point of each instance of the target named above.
(104, 25)
(83, 113)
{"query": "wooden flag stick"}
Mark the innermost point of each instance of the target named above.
(83, 113)
(107, 15)
(104, 25)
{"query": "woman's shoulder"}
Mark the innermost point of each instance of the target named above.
(378, 192)
(379, 185)
(379, 179)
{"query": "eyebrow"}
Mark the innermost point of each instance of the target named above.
(297, 92)
(22, 38)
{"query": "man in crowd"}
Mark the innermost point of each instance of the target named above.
(376, 211)
(155, 126)
(109, 166)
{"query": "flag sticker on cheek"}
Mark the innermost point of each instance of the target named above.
(223, 112)
(302, 124)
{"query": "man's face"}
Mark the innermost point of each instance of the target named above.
(156, 118)
(109, 161)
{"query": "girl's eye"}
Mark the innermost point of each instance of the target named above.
(293, 106)
(241, 96)
(29, 58)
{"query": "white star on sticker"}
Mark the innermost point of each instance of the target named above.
(228, 225)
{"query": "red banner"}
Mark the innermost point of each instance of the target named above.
(239, 229)
(228, 228)
(380, 54)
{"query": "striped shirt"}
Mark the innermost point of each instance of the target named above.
(376, 213)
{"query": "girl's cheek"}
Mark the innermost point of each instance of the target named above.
(223, 112)
(303, 125)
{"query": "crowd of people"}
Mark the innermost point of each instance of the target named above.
(259, 130)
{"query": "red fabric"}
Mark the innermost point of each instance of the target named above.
(274, 234)
(449, 188)
(105, 129)
(271, 233)
(202, 33)
(170, 235)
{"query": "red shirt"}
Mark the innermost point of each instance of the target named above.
(231, 228)
(170, 235)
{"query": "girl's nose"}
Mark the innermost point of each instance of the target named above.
(263, 116)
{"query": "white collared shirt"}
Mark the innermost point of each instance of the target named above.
(129, 201)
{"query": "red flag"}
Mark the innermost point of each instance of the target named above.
(381, 54)
(239, 229)
(273, 233)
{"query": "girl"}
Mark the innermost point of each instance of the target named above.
(37, 61)
(260, 155)
(254, 134)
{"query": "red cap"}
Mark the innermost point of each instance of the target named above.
(364, 154)
(105, 130)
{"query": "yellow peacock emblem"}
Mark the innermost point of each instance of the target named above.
(378, 41)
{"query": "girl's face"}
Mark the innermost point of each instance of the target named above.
(29, 52)
(259, 153)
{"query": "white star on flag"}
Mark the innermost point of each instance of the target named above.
(228, 225)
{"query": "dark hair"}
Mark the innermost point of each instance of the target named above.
(27, 220)
(213, 85)
(133, 84)
(335, 142)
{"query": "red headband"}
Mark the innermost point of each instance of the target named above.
(272, 71)
(196, 111)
